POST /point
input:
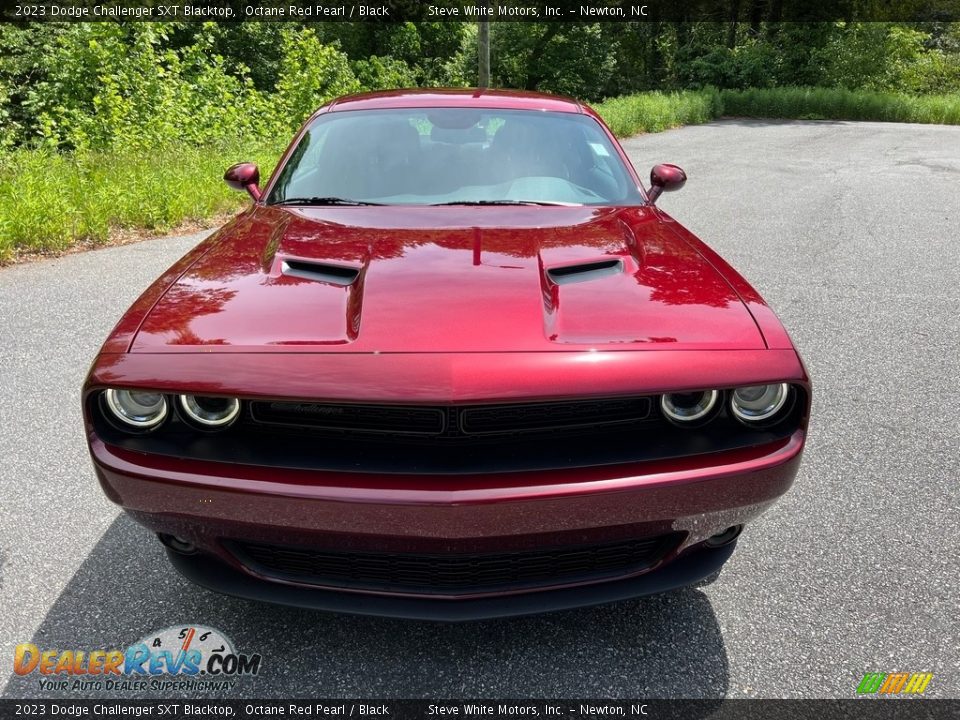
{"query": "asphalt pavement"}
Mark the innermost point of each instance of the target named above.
(851, 232)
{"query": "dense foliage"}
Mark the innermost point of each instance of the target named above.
(91, 85)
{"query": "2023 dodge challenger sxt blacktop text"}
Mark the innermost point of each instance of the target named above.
(453, 362)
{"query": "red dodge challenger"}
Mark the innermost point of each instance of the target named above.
(452, 363)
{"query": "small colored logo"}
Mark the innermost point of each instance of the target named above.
(201, 657)
(894, 683)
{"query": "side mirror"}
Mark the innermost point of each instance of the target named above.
(244, 176)
(665, 178)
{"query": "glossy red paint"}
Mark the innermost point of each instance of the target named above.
(244, 176)
(489, 265)
(443, 378)
(456, 97)
(447, 305)
(665, 178)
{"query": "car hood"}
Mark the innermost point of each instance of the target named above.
(448, 279)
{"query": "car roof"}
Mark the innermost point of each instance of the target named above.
(456, 97)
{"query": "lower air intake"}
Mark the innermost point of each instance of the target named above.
(453, 573)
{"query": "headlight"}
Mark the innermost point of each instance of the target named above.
(689, 407)
(208, 411)
(757, 403)
(141, 409)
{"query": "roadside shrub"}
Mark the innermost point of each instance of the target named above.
(656, 111)
(51, 200)
(105, 83)
(838, 104)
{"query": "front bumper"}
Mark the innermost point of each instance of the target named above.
(693, 567)
(211, 504)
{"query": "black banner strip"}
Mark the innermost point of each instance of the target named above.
(872, 708)
(589, 11)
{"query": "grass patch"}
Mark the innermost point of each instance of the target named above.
(52, 201)
(657, 111)
(834, 104)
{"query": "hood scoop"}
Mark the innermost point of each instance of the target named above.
(582, 272)
(341, 275)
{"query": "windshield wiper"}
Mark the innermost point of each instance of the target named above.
(322, 201)
(501, 202)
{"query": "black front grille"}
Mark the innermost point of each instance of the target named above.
(453, 573)
(403, 419)
(518, 417)
(456, 421)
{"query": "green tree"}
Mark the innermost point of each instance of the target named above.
(573, 59)
(312, 73)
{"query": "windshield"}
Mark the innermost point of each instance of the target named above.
(435, 156)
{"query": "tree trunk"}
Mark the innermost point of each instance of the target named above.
(483, 52)
(732, 30)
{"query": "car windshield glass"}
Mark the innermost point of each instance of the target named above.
(447, 156)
